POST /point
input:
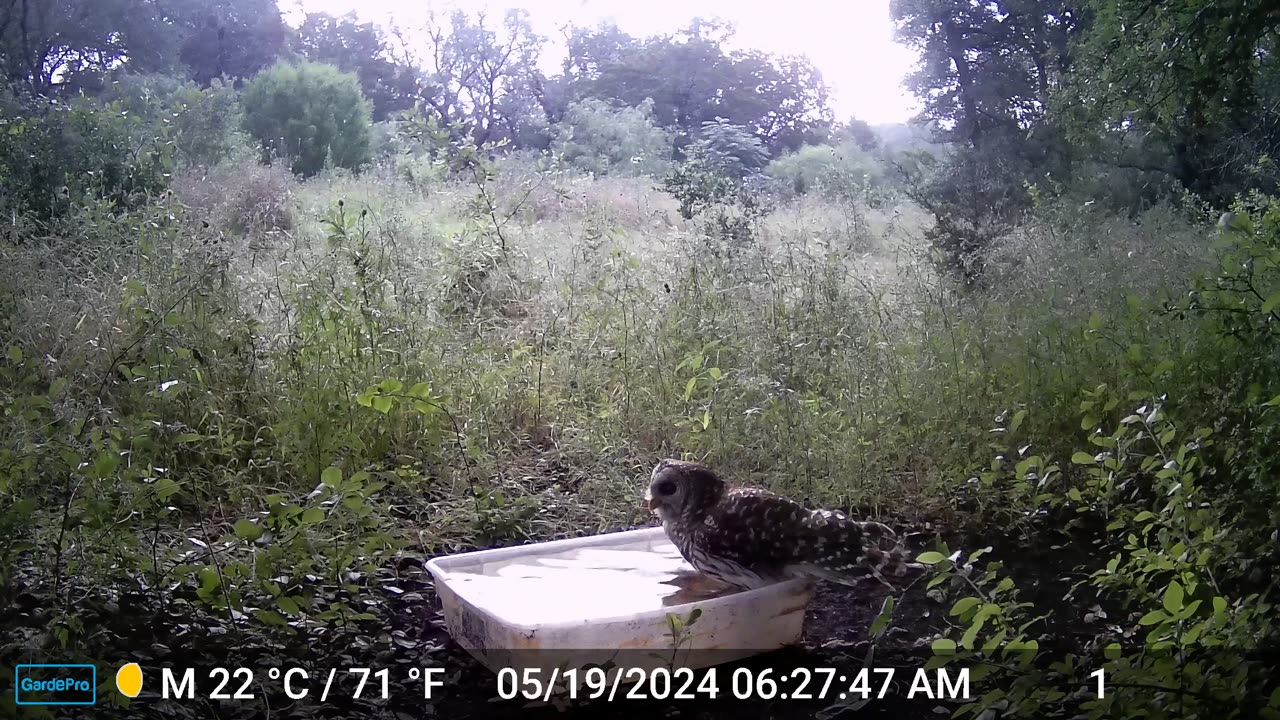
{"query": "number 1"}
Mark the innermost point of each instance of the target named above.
(1101, 675)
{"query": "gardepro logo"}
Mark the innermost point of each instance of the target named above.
(55, 684)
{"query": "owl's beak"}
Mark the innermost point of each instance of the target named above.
(653, 501)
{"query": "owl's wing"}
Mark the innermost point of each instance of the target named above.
(760, 529)
(755, 528)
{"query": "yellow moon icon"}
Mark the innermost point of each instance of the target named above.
(129, 680)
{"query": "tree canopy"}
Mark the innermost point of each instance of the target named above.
(52, 45)
(363, 49)
(692, 79)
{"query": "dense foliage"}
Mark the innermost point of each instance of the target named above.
(602, 139)
(310, 114)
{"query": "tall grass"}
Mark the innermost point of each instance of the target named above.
(828, 359)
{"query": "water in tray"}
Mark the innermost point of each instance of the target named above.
(584, 584)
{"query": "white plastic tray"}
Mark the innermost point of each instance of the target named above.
(572, 603)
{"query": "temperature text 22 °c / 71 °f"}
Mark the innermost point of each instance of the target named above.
(296, 683)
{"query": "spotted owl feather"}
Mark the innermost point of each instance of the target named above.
(750, 537)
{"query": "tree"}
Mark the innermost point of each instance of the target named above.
(782, 99)
(228, 38)
(692, 79)
(988, 70)
(987, 78)
(731, 149)
(363, 49)
(1197, 77)
(310, 113)
(48, 45)
(68, 45)
(484, 81)
(860, 132)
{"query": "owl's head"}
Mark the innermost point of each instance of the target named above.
(679, 489)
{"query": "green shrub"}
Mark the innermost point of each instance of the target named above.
(730, 149)
(203, 123)
(312, 114)
(607, 140)
(53, 155)
(1170, 485)
(840, 172)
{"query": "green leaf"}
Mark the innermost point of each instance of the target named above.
(209, 579)
(15, 354)
(963, 605)
(1219, 606)
(1153, 617)
(1083, 458)
(382, 403)
(943, 646)
(1172, 600)
(971, 634)
(994, 641)
(1271, 303)
(246, 529)
(270, 617)
(715, 373)
(332, 476)
(882, 620)
(288, 604)
(165, 489)
(425, 408)
(931, 558)
(312, 516)
(688, 388)
(1030, 647)
(104, 464)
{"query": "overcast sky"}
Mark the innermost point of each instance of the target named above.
(850, 41)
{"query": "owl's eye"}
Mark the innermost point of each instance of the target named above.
(666, 487)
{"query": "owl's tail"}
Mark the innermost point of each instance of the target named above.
(852, 552)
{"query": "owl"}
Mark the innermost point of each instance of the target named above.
(749, 538)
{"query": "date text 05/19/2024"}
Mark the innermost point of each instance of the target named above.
(741, 683)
